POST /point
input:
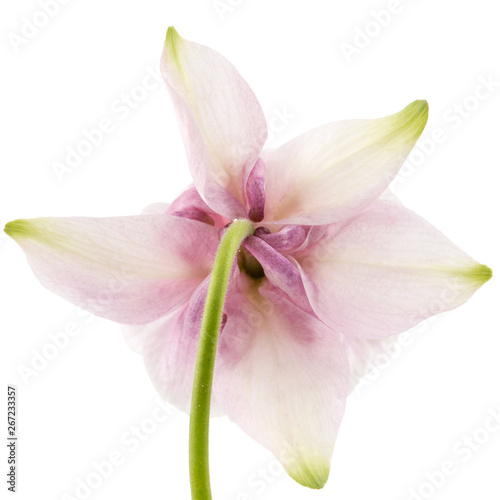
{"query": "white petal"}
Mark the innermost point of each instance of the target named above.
(333, 172)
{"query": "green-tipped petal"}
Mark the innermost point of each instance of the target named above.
(385, 271)
(335, 171)
(312, 472)
(408, 124)
(477, 275)
(24, 228)
(282, 376)
(172, 45)
(172, 39)
(221, 121)
(128, 269)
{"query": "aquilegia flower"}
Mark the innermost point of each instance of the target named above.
(335, 263)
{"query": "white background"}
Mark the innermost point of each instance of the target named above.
(84, 403)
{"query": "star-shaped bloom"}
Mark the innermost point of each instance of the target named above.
(335, 264)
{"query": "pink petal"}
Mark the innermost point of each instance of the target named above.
(385, 271)
(169, 346)
(221, 121)
(281, 375)
(280, 271)
(288, 239)
(255, 191)
(190, 204)
(127, 269)
(333, 172)
(189, 198)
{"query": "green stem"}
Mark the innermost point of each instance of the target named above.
(205, 359)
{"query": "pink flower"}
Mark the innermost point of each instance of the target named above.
(336, 263)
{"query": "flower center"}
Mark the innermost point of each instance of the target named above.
(249, 264)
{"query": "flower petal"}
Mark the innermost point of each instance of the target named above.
(255, 191)
(168, 356)
(221, 121)
(281, 375)
(287, 239)
(127, 269)
(280, 271)
(169, 346)
(331, 173)
(190, 204)
(385, 271)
